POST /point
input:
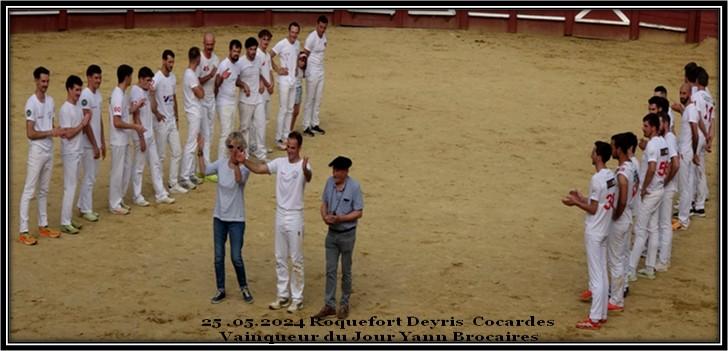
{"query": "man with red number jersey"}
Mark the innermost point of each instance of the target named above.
(654, 168)
(664, 226)
(599, 207)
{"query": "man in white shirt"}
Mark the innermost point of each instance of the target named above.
(94, 144)
(227, 93)
(145, 144)
(661, 91)
(665, 209)
(705, 106)
(292, 174)
(73, 121)
(654, 168)
(264, 37)
(166, 123)
(121, 158)
(206, 72)
(252, 111)
(39, 112)
(287, 49)
(688, 146)
(194, 94)
(315, 47)
(599, 207)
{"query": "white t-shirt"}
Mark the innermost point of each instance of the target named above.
(250, 74)
(145, 112)
(316, 46)
(629, 171)
(602, 189)
(193, 105)
(92, 101)
(288, 55)
(689, 115)
(42, 114)
(204, 68)
(704, 104)
(118, 106)
(165, 87)
(671, 142)
(290, 182)
(230, 199)
(70, 116)
(658, 152)
(227, 93)
(265, 68)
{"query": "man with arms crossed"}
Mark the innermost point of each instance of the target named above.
(292, 174)
(227, 92)
(94, 145)
(252, 110)
(688, 146)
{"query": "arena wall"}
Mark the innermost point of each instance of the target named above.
(691, 25)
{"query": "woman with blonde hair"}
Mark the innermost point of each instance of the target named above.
(229, 212)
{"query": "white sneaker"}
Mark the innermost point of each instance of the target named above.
(141, 202)
(166, 200)
(646, 273)
(295, 307)
(119, 211)
(660, 267)
(188, 185)
(177, 189)
(632, 277)
(279, 303)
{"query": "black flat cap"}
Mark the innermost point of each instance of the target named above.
(340, 162)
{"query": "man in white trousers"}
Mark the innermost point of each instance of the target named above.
(252, 110)
(664, 226)
(264, 37)
(292, 174)
(206, 72)
(599, 207)
(704, 104)
(94, 143)
(39, 113)
(287, 49)
(121, 158)
(654, 167)
(314, 46)
(194, 94)
(73, 121)
(145, 150)
(227, 93)
(688, 146)
(166, 123)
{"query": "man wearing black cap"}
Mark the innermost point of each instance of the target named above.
(342, 204)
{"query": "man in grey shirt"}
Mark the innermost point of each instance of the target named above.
(341, 205)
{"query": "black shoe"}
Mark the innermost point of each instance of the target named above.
(318, 129)
(626, 291)
(308, 132)
(699, 213)
(676, 214)
(247, 296)
(218, 297)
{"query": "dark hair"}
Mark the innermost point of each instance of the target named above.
(194, 53)
(621, 142)
(93, 69)
(40, 70)
(660, 102)
(72, 81)
(702, 77)
(235, 44)
(322, 19)
(146, 72)
(294, 24)
(264, 33)
(691, 72)
(296, 135)
(652, 119)
(250, 42)
(122, 72)
(167, 53)
(604, 150)
(631, 140)
(661, 89)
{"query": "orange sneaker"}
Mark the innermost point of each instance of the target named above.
(586, 295)
(27, 239)
(589, 324)
(613, 307)
(49, 233)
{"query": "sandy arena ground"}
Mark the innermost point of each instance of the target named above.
(464, 143)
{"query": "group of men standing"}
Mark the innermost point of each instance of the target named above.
(640, 195)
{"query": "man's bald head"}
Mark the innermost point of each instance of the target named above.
(208, 43)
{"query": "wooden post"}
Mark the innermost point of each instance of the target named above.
(569, 23)
(634, 25)
(399, 17)
(336, 21)
(129, 23)
(199, 20)
(63, 20)
(698, 23)
(268, 18)
(693, 24)
(512, 21)
(463, 20)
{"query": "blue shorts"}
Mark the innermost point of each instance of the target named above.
(299, 91)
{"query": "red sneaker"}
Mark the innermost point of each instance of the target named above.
(589, 324)
(613, 307)
(586, 295)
